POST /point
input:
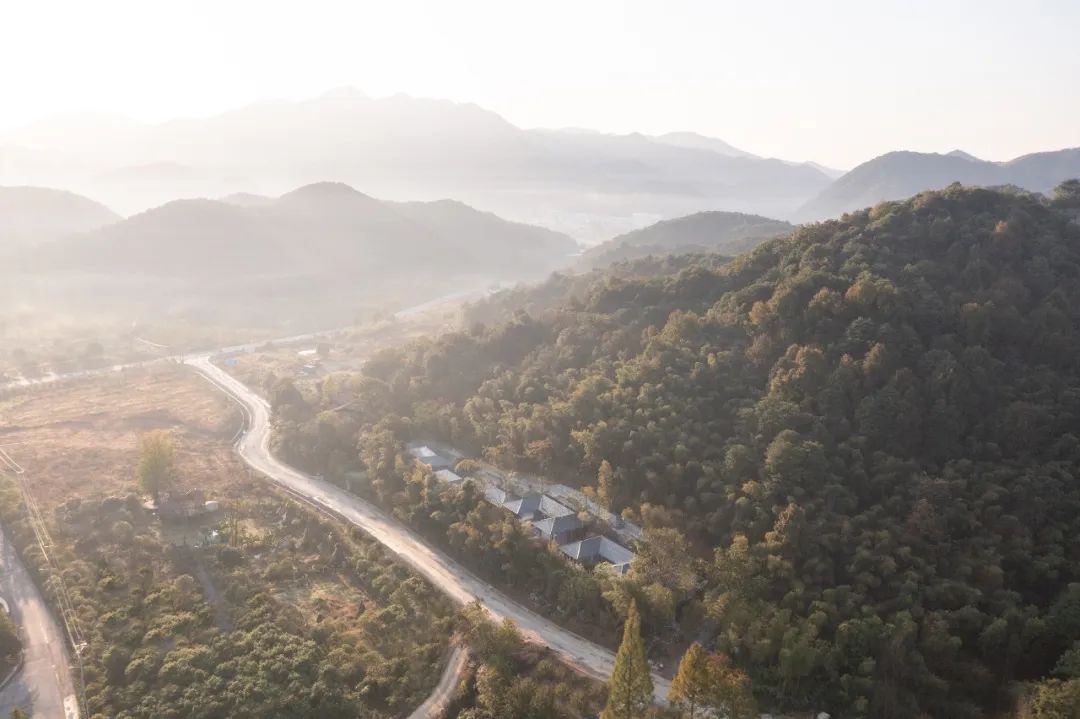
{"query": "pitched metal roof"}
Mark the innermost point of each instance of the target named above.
(525, 506)
(598, 548)
(496, 496)
(447, 476)
(557, 525)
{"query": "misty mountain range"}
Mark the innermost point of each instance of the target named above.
(589, 183)
(898, 175)
(317, 248)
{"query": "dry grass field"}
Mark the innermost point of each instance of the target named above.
(80, 439)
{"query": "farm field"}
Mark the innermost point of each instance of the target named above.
(261, 608)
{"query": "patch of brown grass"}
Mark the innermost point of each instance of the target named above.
(80, 439)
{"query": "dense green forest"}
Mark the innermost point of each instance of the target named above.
(869, 429)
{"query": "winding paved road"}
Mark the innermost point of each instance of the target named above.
(442, 571)
(43, 687)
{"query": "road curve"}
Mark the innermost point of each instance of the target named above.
(43, 687)
(442, 571)
(436, 704)
(407, 313)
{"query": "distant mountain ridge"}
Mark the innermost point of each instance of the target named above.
(696, 141)
(587, 183)
(713, 231)
(312, 256)
(898, 175)
(407, 148)
(324, 230)
(32, 215)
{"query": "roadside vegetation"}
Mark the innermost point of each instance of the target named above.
(511, 679)
(10, 644)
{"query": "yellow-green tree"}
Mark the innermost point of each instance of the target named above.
(605, 486)
(630, 691)
(729, 690)
(1057, 699)
(690, 688)
(708, 685)
(157, 458)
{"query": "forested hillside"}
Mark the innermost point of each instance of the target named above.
(870, 428)
(726, 232)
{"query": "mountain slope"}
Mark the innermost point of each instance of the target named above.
(30, 215)
(902, 174)
(450, 219)
(870, 429)
(725, 232)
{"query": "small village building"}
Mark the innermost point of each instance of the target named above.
(593, 550)
(427, 456)
(534, 507)
(496, 496)
(562, 529)
(448, 476)
(526, 508)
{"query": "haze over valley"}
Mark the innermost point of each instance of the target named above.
(600, 360)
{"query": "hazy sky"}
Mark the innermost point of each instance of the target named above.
(836, 82)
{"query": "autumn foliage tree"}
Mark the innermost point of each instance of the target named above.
(708, 685)
(690, 688)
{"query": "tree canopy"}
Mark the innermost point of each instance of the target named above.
(157, 464)
(867, 432)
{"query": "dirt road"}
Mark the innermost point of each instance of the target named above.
(442, 571)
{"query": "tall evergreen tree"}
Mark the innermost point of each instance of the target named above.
(690, 688)
(630, 692)
(605, 486)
